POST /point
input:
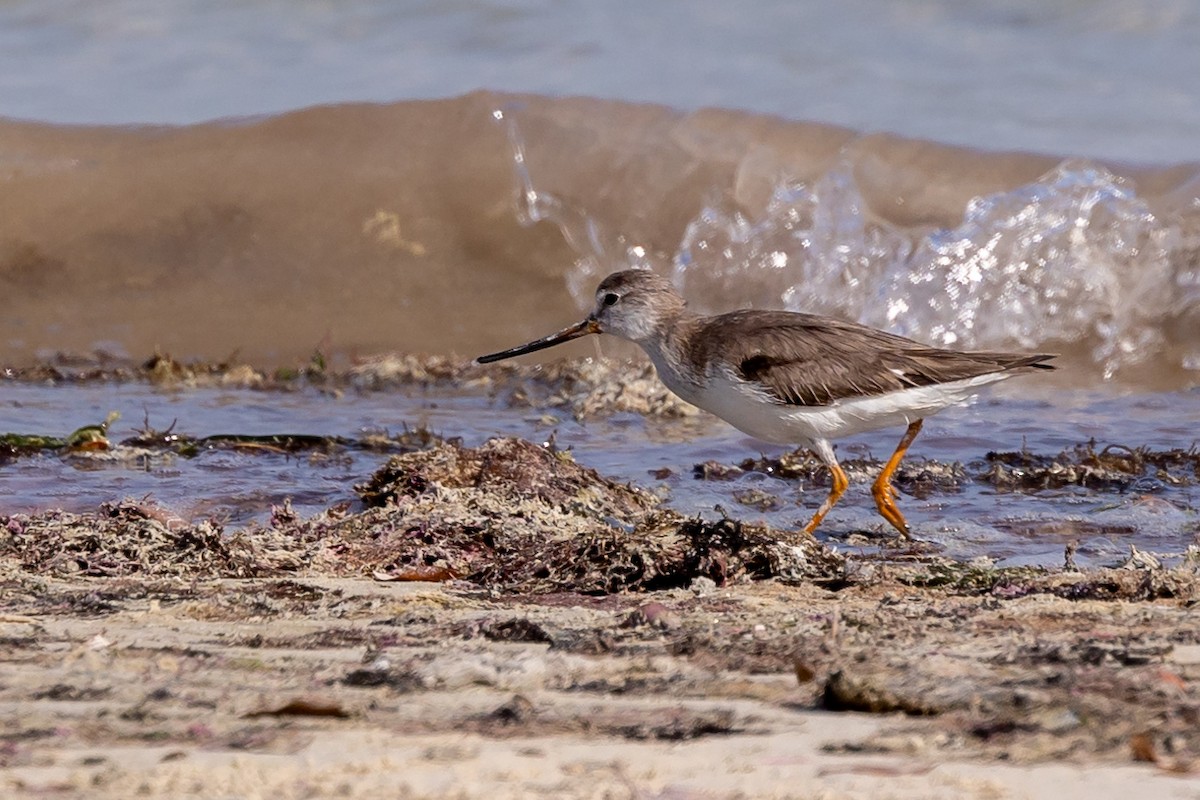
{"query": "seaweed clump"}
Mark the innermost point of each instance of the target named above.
(587, 387)
(511, 515)
(507, 516)
(1114, 468)
(123, 539)
(916, 477)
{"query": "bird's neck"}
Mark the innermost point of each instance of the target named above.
(668, 349)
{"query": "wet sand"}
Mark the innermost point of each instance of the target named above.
(502, 622)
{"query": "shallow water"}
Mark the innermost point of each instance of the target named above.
(241, 486)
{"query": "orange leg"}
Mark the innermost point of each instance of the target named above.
(883, 491)
(840, 483)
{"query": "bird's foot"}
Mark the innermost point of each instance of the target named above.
(885, 502)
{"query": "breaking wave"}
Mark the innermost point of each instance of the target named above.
(358, 229)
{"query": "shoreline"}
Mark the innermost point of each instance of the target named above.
(300, 685)
(577, 640)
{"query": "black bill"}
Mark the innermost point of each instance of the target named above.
(565, 335)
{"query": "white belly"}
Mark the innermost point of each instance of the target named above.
(753, 412)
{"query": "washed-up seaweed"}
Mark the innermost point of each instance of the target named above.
(509, 514)
(1112, 468)
(94, 438)
(587, 388)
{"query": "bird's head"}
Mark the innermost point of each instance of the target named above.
(633, 304)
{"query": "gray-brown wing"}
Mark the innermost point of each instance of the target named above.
(809, 360)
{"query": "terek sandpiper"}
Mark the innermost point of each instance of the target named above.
(791, 378)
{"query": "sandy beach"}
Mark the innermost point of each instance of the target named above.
(317, 687)
(149, 657)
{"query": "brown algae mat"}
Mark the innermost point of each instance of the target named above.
(584, 387)
(506, 593)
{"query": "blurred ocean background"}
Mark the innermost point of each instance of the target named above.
(1101, 78)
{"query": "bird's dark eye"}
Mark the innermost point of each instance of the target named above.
(611, 299)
